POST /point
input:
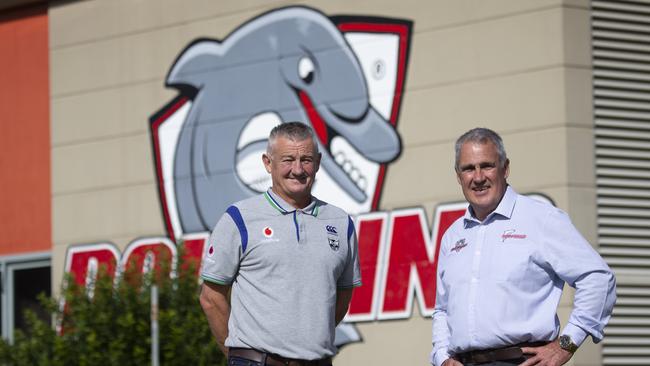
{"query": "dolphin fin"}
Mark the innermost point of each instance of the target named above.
(196, 59)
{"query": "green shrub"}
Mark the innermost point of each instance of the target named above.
(113, 326)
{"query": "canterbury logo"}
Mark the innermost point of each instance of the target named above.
(331, 229)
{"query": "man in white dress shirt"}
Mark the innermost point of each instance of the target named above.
(502, 268)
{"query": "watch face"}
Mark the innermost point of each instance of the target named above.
(567, 344)
(564, 342)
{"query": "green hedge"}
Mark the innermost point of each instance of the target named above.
(113, 326)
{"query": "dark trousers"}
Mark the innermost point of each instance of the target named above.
(499, 363)
(238, 361)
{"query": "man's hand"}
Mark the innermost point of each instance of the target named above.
(451, 362)
(548, 355)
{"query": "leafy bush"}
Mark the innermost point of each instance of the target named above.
(112, 326)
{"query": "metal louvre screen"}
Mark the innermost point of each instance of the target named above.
(621, 69)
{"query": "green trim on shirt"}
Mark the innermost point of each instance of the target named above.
(215, 280)
(270, 201)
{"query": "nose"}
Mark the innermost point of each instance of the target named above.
(479, 175)
(297, 168)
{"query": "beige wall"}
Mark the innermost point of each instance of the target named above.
(521, 67)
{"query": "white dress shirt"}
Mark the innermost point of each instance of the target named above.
(499, 281)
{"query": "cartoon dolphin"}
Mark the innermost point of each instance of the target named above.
(290, 64)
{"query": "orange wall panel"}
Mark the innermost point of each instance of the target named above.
(25, 207)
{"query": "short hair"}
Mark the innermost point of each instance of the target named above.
(295, 131)
(482, 136)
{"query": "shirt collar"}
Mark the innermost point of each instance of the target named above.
(505, 208)
(282, 206)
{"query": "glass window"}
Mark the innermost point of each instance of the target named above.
(22, 279)
(28, 284)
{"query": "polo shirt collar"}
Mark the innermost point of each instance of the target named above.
(505, 208)
(283, 207)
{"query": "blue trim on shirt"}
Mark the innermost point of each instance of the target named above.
(295, 221)
(239, 221)
(350, 228)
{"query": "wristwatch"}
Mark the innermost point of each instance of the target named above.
(566, 343)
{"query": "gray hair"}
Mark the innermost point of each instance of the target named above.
(294, 131)
(482, 136)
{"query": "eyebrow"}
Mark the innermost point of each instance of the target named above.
(482, 164)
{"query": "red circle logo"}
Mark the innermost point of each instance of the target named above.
(268, 232)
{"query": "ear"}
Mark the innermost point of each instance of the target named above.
(506, 169)
(458, 178)
(317, 162)
(267, 162)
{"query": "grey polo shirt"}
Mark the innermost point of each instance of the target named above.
(285, 266)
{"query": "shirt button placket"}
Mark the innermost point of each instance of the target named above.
(474, 283)
(301, 226)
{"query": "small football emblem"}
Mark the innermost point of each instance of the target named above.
(334, 244)
(268, 232)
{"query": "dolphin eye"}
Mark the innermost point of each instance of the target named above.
(306, 69)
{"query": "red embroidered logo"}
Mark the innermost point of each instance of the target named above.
(210, 251)
(510, 234)
(459, 245)
(268, 232)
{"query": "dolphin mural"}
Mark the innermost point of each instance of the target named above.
(291, 64)
(343, 75)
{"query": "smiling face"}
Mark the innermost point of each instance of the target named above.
(293, 166)
(482, 177)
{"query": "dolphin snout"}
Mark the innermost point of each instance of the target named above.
(349, 111)
(368, 131)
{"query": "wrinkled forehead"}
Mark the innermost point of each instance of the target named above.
(287, 145)
(472, 152)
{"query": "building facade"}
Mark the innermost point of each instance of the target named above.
(98, 97)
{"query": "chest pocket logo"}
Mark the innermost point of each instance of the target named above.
(332, 237)
(334, 243)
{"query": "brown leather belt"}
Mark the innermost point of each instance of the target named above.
(275, 360)
(495, 354)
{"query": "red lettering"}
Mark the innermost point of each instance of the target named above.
(413, 259)
(150, 254)
(410, 265)
(84, 261)
(445, 216)
(371, 238)
(192, 249)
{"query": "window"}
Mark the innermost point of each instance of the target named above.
(23, 278)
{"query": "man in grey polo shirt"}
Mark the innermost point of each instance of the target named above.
(279, 268)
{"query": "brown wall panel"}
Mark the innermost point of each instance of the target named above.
(25, 207)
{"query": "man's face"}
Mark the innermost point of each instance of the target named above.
(481, 176)
(293, 166)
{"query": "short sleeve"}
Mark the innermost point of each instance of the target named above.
(351, 276)
(223, 251)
